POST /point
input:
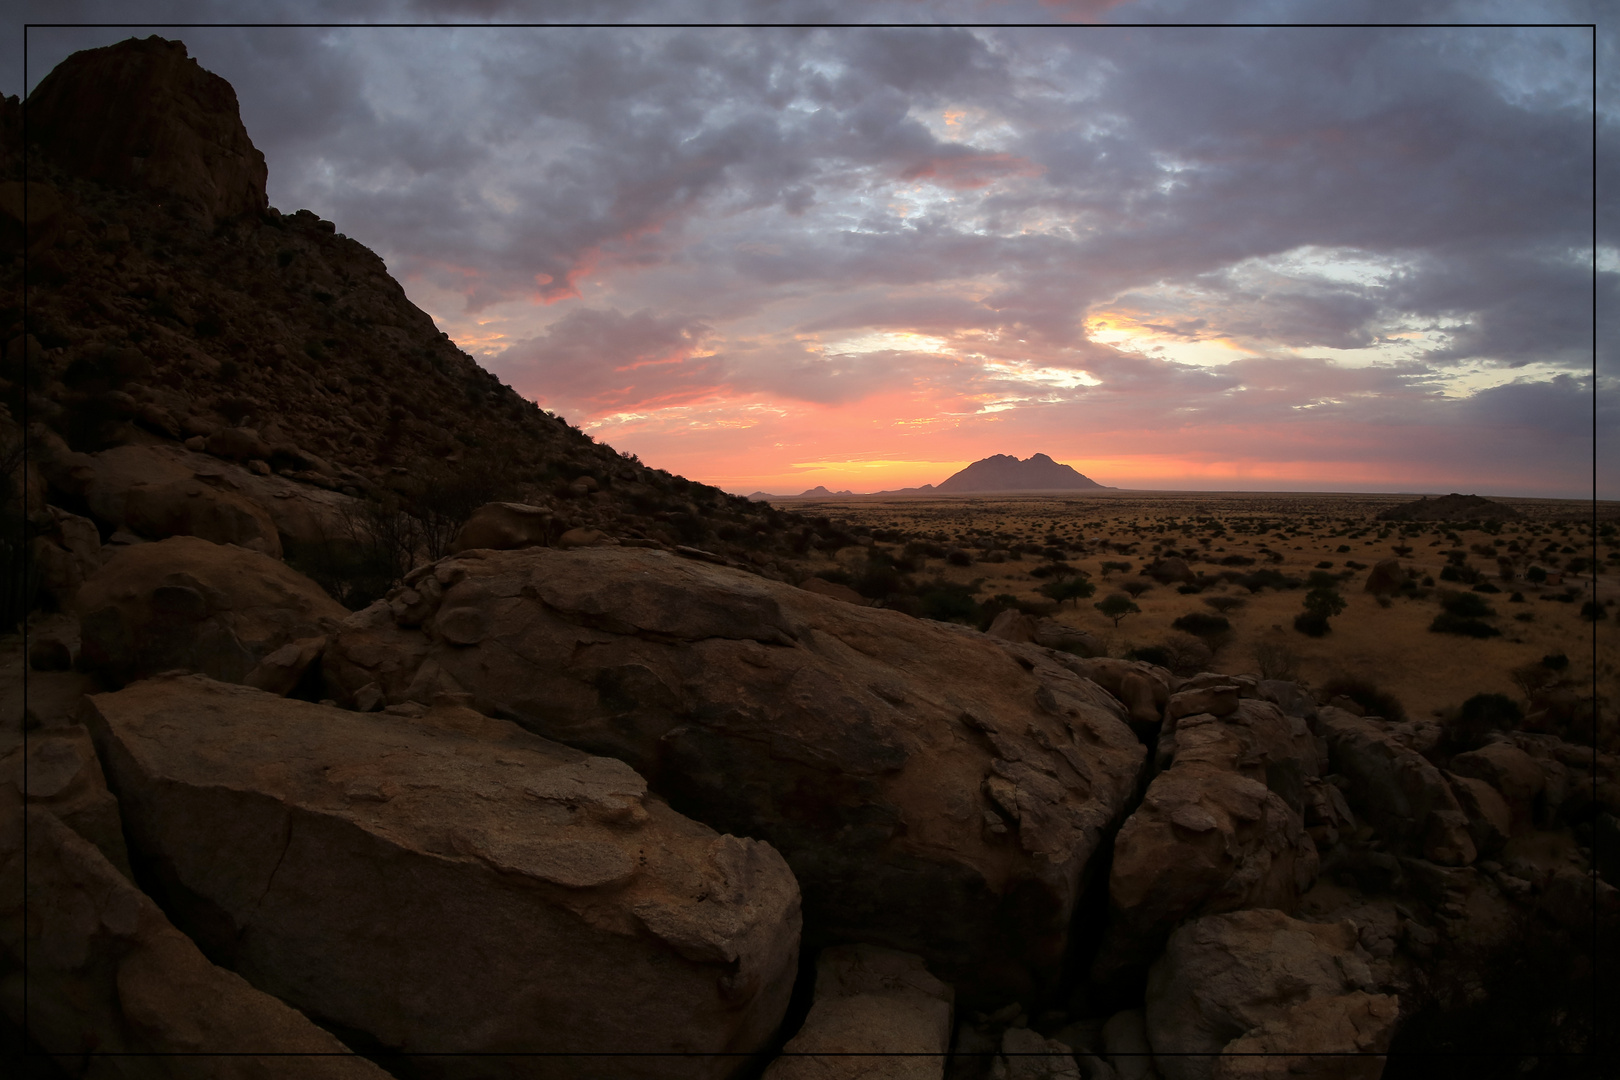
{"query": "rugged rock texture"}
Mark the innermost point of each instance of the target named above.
(934, 790)
(1222, 829)
(1397, 788)
(499, 892)
(109, 975)
(57, 770)
(1258, 981)
(142, 114)
(876, 1001)
(187, 603)
(1025, 1055)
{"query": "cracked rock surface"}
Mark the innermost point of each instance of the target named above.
(500, 892)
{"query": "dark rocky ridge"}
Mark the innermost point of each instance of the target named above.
(169, 302)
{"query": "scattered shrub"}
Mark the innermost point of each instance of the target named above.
(1479, 716)
(1223, 604)
(1374, 701)
(1204, 626)
(1311, 624)
(1447, 623)
(1276, 661)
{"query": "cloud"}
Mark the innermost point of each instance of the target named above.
(1241, 241)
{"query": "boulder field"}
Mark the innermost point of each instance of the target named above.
(548, 806)
(934, 790)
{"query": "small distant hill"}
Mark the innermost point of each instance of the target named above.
(1004, 472)
(1451, 507)
(818, 492)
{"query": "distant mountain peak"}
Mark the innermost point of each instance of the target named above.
(1004, 472)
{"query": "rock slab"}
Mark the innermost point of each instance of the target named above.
(450, 883)
(108, 974)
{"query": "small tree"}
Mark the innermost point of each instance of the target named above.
(1116, 606)
(1110, 567)
(1072, 589)
(1137, 588)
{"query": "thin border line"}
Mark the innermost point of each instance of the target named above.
(27, 417)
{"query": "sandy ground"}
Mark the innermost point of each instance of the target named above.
(1392, 646)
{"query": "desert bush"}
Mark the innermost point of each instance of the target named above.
(1374, 700)
(1481, 714)
(1465, 605)
(1137, 588)
(1447, 623)
(1276, 661)
(1204, 626)
(949, 601)
(1224, 604)
(1311, 624)
(1186, 655)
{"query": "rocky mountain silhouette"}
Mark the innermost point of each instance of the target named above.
(1004, 472)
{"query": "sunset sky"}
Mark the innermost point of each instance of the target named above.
(1326, 258)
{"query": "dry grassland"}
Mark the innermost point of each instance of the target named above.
(1295, 534)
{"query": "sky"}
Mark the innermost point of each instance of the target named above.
(1355, 257)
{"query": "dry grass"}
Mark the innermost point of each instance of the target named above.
(1390, 646)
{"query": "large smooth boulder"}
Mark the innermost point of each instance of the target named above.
(504, 525)
(109, 975)
(142, 114)
(870, 1001)
(1259, 981)
(163, 490)
(934, 790)
(1396, 788)
(192, 507)
(1221, 829)
(450, 883)
(188, 603)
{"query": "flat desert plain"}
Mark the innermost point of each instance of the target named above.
(1226, 534)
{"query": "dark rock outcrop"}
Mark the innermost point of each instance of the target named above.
(935, 791)
(143, 114)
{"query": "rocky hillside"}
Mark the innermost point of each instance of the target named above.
(170, 306)
(378, 724)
